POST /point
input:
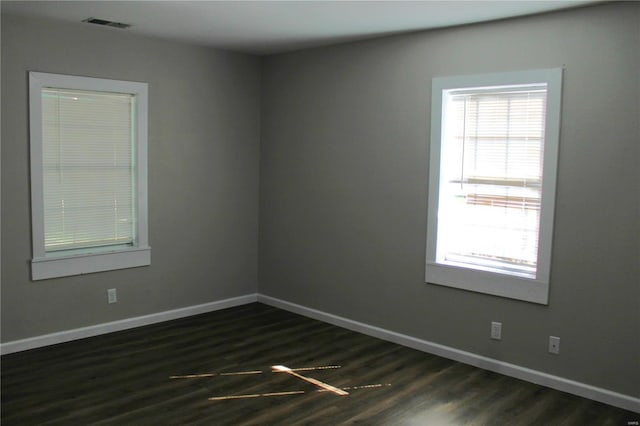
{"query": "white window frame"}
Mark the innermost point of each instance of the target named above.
(536, 289)
(94, 259)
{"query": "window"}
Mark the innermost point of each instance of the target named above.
(493, 160)
(88, 174)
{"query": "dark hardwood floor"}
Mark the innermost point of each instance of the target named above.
(126, 378)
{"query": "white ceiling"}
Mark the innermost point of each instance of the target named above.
(265, 27)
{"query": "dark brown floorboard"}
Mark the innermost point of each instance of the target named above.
(124, 379)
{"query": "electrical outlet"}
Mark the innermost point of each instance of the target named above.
(496, 330)
(112, 295)
(554, 345)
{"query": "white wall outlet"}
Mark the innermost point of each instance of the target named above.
(554, 345)
(496, 330)
(112, 295)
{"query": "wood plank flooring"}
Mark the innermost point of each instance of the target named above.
(125, 379)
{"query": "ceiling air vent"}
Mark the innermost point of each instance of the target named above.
(106, 23)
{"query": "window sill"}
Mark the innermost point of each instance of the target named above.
(512, 287)
(54, 266)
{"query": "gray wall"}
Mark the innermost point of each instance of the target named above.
(204, 121)
(343, 189)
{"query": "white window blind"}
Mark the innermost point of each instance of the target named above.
(89, 170)
(491, 178)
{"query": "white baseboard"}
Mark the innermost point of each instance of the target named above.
(109, 327)
(555, 382)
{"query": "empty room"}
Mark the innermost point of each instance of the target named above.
(320, 213)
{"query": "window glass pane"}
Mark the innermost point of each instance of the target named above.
(88, 168)
(491, 176)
